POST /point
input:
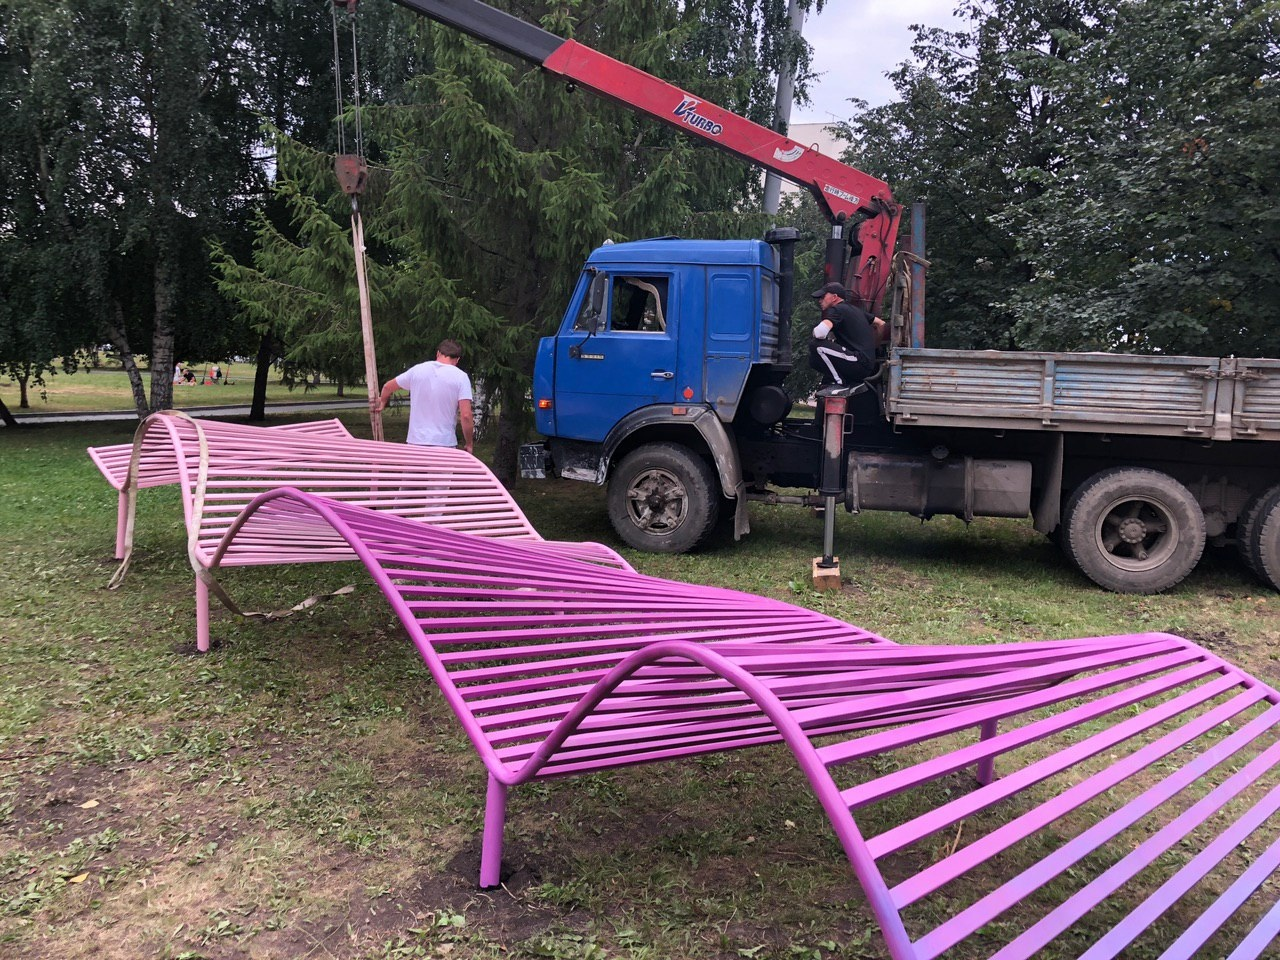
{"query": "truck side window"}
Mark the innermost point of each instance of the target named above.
(639, 305)
(582, 323)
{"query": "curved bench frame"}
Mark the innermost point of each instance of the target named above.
(220, 467)
(556, 667)
(116, 461)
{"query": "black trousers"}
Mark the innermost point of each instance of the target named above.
(838, 364)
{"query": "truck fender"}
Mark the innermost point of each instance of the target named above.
(719, 441)
(1048, 512)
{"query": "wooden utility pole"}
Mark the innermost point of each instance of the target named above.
(366, 322)
(352, 173)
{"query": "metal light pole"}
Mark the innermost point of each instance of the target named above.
(782, 104)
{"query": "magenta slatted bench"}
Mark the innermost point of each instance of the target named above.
(220, 467)
(1097, 797)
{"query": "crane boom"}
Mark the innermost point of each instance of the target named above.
(842, 192)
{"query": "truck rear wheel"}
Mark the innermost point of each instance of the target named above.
(1264, 540)
(663, 498)
(1249, 528)
(1134, 530)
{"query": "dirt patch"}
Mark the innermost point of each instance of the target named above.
(237, 853)
(1219, 641)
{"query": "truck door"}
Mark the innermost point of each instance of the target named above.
(618, 361)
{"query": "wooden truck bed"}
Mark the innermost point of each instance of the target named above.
(1195, 397)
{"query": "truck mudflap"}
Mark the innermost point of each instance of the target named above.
(570, 459)
(719, 442)
(964, 487)
(1048, 511)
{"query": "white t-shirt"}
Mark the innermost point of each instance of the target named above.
(435, 390)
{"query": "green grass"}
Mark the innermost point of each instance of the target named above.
(302, 791)
(107, 388)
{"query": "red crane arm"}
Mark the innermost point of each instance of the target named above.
(841, 191)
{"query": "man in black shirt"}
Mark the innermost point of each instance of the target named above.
(843, 348)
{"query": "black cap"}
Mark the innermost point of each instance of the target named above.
(830, 288)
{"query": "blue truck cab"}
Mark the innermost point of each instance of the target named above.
(665, 383)
(662, 323)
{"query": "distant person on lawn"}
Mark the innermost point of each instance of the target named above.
(439, 399)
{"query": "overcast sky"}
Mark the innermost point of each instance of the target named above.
(855, 42)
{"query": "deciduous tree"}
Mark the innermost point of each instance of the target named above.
(130, 142)
(979, 116)
(1099, 176)
(1158, 228)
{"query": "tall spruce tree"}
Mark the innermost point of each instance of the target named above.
(491, 182)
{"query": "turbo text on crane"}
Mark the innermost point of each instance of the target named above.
(687, 112)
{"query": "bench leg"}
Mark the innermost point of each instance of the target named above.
(495, 817)
(122, 520)
(987, 766)
(202, 616)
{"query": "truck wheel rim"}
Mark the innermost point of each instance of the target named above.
(657, 501)
(1136, 533)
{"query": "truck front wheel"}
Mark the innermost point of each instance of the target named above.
(1134, 530)
(663, 498)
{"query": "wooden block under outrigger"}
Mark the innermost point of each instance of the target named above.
(826, 577)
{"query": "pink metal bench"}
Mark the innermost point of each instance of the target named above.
(220, 467)
(160, 468)
(1125, 786)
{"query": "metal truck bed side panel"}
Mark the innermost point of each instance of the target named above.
(1072, 392)
(1257, 400)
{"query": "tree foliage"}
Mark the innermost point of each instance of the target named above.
(1158, 230)
(132, 140)
(1099, 176)
(978, 111)
(48, 96)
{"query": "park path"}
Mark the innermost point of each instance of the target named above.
(231, 410)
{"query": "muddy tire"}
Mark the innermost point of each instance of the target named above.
(1133, 530)
(663, 498)
(1264, 544)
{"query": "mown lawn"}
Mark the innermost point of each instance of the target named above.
(107, 388)
(302, 791)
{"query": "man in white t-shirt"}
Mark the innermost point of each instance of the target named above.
(439, 398)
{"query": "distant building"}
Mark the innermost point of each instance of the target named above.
(817, 135)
